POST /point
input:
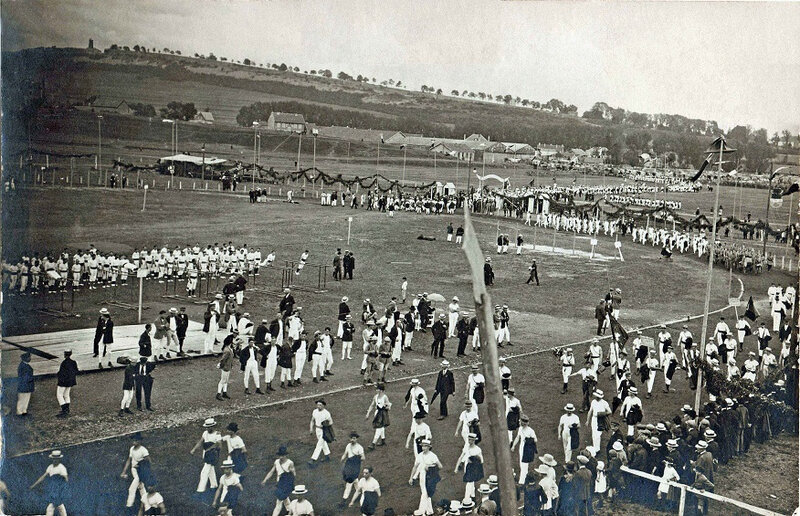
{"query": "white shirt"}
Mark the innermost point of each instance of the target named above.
(599, 406)
(59, 469)
(234, 443)
(722, 326)
(566, 421)
(368, 485)
(320, 416)
(421, 430)
(511, 403)
(152, 500)
(297, 507)
(466, 417)
(354, 449)
(137, 455)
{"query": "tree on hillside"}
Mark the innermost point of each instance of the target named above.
(481, 95)
(212, 57)
(464, 93)
(399, 84)
(143, 109)
(384, 83)
(775, 140)
(179, 111)
(326, 73)
(488, 96)
(572, 109)
(454, 93)
(136, 48)
(517, 100)
(391, 82)
(472, 94)
(247, 61)
(439, 91)
(423, 88)
(507, 98)
(525, 102)
(296, 69)
(787, 138)
(373, 80)
(344, 76)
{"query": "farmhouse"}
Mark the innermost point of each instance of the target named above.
(290, 122)
(204, 117)
(106, 104)
(457, 150)
(547, 149)
(401, 138)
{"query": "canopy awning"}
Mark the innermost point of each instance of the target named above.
(195, 160)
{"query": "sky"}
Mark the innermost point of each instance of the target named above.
(733, 62)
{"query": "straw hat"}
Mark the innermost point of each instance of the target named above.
(208, 423)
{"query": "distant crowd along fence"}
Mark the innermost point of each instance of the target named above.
(58, 299)
(116, 179)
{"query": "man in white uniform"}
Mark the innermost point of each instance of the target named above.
(598, 408)
(319, 417)
(564, 425)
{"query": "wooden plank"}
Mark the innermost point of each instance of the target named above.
(707, 494)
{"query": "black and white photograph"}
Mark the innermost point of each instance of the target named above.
(331, 258)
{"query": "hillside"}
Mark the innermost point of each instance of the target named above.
(67, 77)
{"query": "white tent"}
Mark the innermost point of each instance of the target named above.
(195, 160)
(449, 189)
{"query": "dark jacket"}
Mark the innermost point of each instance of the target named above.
(275, 328)
(145, 345)
(130, 373)
(285, 355)
(67, 373)
(439, 330)
(104, 331)
(584, 485)
(260, 336)
(445, 383)
(240, 283)
(343, 311)
(24, 377)
(182, 324)
(287, 303)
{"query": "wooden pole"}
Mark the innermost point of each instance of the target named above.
(491, 370)
(140, 299)
(712, 249)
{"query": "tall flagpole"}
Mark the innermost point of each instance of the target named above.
(712, 245)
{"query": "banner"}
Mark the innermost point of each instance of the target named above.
(491, 176)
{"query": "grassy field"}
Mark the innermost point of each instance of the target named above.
(559, 312)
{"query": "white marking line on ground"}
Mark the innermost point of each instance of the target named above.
(276, 403)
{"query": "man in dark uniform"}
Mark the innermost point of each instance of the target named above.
(445, 386)
(287, 303)
(25, 384)
(181, 325)
(144, 382)
(145, 344)
(260, 336)
(337, 265)
(439, 331)
(229, 289)
(240, 284)
(488, 273)
(534, 273)
(349, 263)
(463, 332)
(104, 332)
(600, 312)
(67, 379)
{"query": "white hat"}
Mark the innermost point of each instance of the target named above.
(299, 489)
(455, 298)
(56, 454)
(541, 468)
(549, 460)
(569, 407)
(598, 393)
(414, 381)
(493, 480)
(445, 363)
(218, 296)
(208, 423)
(426, 442)
(104, 310)
(344, 299)
(617, 446)
(484, 488)
(227, 463)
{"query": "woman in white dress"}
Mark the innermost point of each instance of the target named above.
(283, 469)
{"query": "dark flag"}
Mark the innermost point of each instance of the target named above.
(792, 189)
(666, 253)
(705, 164)
(617, 331)
(751, 312)
(714, 149)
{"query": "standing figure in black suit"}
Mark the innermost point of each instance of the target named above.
(181, 325)
(439, 331)
(287, 303)
(67, 379)
(104, 332)
(445, 386)
(144, 382)
(145, 343)
(488, 273)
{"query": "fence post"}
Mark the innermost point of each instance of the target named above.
(682, 503)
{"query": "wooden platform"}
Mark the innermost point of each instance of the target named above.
(126, 342)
